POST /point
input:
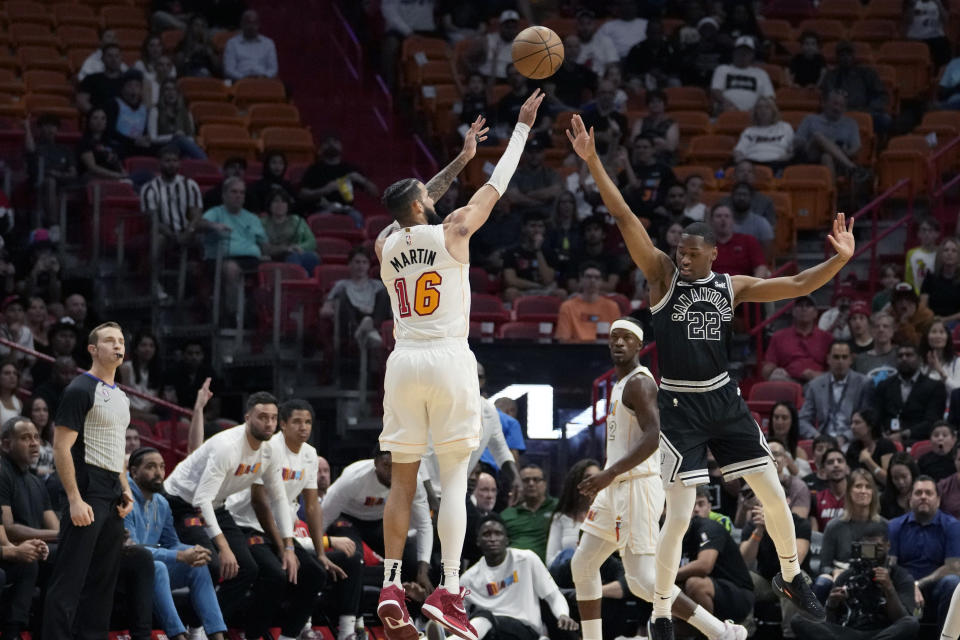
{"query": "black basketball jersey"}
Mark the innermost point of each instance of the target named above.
(692, 324)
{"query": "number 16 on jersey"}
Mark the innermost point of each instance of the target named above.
(426, 294)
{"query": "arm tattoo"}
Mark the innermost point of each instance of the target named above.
(439, 183)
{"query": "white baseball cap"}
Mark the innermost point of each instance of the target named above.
(509, 14)
(744, 41)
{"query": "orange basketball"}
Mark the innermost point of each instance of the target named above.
(537, 52)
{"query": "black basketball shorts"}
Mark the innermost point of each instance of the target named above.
(692, 421)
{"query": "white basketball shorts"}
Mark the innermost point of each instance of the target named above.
(628, 514)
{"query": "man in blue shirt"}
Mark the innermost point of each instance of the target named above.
(176, 565)
(926, 542)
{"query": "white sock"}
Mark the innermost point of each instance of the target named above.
(391, 573)
(451, 576)
(951, 626)
(706, 623)
(283, 637)
(680, 501)
(777, 518)
(592, 629)
(346, 627)
(482, 625)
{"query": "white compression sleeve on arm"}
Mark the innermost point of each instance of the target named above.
(501, 175)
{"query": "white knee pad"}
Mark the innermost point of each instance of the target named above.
(585, 566)
(641, 572)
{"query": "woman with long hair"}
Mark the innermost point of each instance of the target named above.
(939, 360)
(670, 239)
(768, 140)
(901, 472)
(99, 160)
(196, 55)
(940, 290)
(289, 238)
(10, 405)
(153, 69)
(570, 513)
(38, 411)
(869, 450)
(170, 122)
(784, 427)
(38, 321)
(861, 507)
(143, 372)
(274, 177)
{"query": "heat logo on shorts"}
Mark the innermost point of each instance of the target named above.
(244, 469)
(290, 474)
(373, 501)
(494, 588)
(591, 515)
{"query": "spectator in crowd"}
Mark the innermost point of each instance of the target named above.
(94, 63)
(670, 212)
(38, 321)
(402, 20)
(737, 253)
(329, 182)
(798, 496)
(747, 221)
(506, 586)
(571, 511)
(879, 607)
(196, 55)
(806, 68)
(227, 463)
(926, 20)
(170, 122)
(360, 302)
(23, 542)
(132, 439)
(862, 507)
(63, 342)
(581, 315)
(535, 186)
(354, 505)
(597, 51)
(237, 235)
(594, 250)
(127, 118)
(474, 103)
(938, 462)
(14, 328)
(289, 238)
(926, 542)
(940, 290)
(949, 488)
(949, 88)
(818, 479)
(761, 204)
(274, 176)
(834, 319)
(651, 63)
(100, 88)
(98, 154)
(250, 54)
(189, 374)
(485, 493)
(51, 165)
(77, 311)
(153, 67)
(39, 413)
(860, 84)
(829, 501)
(512, 433)
(663, 130)
(462, 21)
(902, 471)
(890, 276)
(143, 372)
(784, 427)
(769, 140)
(740, 20)
(572, 81)
(44, 280)
(323, 478)
(528, 521)
(938, 357)
(909, 403)
(715, 575)
(830, 399)
(564, 235)
(175, 565)
(737, 87)
(798, 352)
(880, 360)
(700, 51)
(830, 138)
(694, 208)
(233, 167)
(10, 404)
(644, 179)
(528, 268)
(626, 29)
(922, 259)
(670, 239)
(497, 46)
(869, 450)
(64, 369)
(610, 125)
(508, 109)
(858, 323)
(703, 505)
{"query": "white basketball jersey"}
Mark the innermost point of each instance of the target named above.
(623, 430)
(429, 290)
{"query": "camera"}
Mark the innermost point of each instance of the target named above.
(864, 598)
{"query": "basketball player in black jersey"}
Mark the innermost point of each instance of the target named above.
(700, 405)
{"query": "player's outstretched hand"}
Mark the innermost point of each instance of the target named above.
(842, 237)
(580, 138)
(528, 112)
(476, 134)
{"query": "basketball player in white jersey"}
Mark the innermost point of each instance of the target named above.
(629, 499)
(951, 626)
(431, 391)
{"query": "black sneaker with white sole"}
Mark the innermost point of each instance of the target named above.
(798, 592)
(660, 629)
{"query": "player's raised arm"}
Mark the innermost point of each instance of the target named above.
(655, 264)
(748, 289)
(438, 184)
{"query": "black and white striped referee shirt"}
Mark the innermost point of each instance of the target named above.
(99, 413)
(172, 200)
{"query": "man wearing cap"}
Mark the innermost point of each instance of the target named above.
(798, 353)
(861, 338)
(736, 87)
(829, 138)
(913, 318)
(860, 84)
(498, 46)
(909, 403)
(829, 400)
(597, 51)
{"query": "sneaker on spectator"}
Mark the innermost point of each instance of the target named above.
(447, 609)
(197, 633)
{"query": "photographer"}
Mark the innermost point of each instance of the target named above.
(870, 599)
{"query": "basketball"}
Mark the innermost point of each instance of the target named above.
(537, 52)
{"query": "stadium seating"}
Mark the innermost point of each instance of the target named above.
(812, 193)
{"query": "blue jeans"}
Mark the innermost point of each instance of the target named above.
(309, 260)
(189, 148)
(176, 575)
(937, 597)
(821, 587)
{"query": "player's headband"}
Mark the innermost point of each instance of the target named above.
(628, 326)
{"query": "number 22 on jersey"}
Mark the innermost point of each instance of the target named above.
(426, 295)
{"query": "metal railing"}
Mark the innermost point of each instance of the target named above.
(346, 42)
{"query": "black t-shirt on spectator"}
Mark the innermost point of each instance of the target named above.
(806, 71)
(768, 561)
(611, 263)
(856, 348)
(508, 109)
(473, 105)
(571, 82)
(102, 89)
(814, 482)
(601, 123)
(644, 58)
(104, 154)
(937, 466)
(526, 263)
(655, 180)
(320, 174)
(706, 534)
(944, 294)
(883, 447)
(24, 493)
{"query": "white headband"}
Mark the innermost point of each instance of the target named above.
(629, 326)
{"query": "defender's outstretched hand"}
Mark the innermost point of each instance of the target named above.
(842, 237)
(528, 112)
(476, 134)
(582, 141)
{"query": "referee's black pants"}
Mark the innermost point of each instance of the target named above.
(272, 589)
(80, 595)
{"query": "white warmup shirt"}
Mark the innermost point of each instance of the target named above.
(298, 471)
(742, 87)
(623, 430)
(514, 588)
(222, 466)
(358, 494)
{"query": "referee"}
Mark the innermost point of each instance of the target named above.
(88, 452)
